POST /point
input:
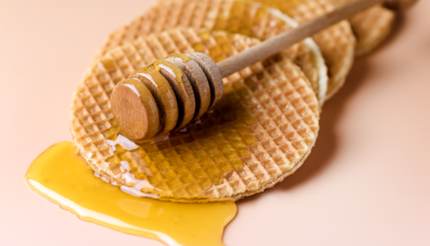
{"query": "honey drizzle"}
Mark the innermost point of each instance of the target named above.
(63, 177)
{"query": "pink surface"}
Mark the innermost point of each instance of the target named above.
(366, 182)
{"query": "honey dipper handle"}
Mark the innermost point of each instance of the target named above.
(282, 41)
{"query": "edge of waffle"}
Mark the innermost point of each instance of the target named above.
(337, 43)
(371, 27)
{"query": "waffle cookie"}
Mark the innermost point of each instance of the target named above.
(260, 132)
(234, 16)
(370, 27)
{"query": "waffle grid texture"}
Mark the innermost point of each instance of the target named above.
(233, 16)
(370, 27)
(259, 133)
(337, 43)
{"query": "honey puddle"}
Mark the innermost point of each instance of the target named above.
(63, 177)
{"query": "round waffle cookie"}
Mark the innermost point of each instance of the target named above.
(257, 134)
(242, 17)
(337, 43)
(370, 27)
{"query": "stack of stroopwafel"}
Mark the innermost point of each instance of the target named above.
(261, 131)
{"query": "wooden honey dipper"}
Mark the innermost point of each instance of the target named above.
(172, 92)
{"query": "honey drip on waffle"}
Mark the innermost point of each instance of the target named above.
(63, 177)
(220, 149)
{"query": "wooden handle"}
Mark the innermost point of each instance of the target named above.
(282, 41)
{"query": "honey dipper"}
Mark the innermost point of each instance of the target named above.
(172, 92)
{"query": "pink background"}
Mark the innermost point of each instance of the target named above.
(367, 181)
